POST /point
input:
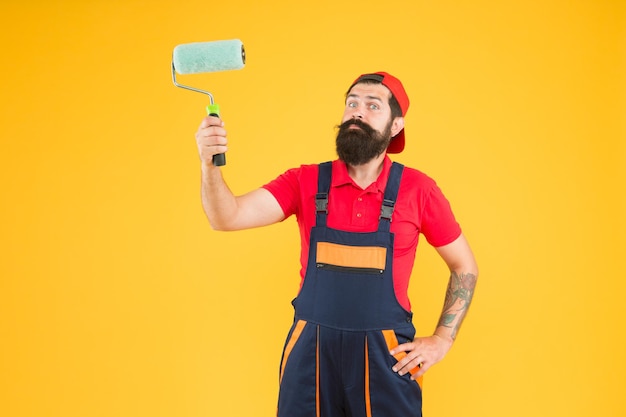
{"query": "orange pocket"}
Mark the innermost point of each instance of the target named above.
(368, 257)
(392, 342)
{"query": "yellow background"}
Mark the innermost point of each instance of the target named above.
(116, 297)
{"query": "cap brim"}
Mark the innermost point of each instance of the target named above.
(397, 143)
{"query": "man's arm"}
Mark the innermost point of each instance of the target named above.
(224, 210)
(424, 352)
(463, 276)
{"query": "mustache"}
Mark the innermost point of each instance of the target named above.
(356, 122)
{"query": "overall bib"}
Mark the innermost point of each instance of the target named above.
(336, 359)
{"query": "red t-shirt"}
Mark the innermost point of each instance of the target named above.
(421, 208)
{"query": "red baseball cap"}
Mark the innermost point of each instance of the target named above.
(395, 86)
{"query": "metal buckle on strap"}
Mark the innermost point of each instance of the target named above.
(321, 202)
(386, 210)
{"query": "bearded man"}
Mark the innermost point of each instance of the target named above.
(352, 348)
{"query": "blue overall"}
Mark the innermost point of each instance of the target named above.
(336, 359)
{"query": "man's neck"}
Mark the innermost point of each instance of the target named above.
(364, 175)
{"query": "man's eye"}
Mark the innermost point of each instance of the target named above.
(352, 104)
(374, 106)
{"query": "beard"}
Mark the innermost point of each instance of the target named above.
(359, 146)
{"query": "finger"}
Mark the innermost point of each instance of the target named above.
(405, 347)
(420, 370)
(206, 153)
(408, 365)
(211, 131)
(210, 120)
(210, 144)
(404, 362)
(212, 140)
(207, 143)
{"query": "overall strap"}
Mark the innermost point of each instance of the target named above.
(391, 195)
(323, 187)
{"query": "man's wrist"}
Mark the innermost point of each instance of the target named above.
(444, 334)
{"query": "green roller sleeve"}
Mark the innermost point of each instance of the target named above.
(200, 57)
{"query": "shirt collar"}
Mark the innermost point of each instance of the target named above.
(340, 175)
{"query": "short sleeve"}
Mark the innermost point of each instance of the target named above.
(439, 225)
(286, 189)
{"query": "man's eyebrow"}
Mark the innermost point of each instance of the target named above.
(367, 97)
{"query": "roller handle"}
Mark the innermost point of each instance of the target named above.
(219, 159)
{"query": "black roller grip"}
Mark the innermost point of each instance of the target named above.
(219, 159)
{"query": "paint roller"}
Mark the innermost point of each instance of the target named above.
(201, 57)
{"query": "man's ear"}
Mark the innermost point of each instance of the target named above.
(397, 126)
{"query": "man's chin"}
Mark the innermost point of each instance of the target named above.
(356, 160)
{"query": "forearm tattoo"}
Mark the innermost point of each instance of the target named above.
(458, 298)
